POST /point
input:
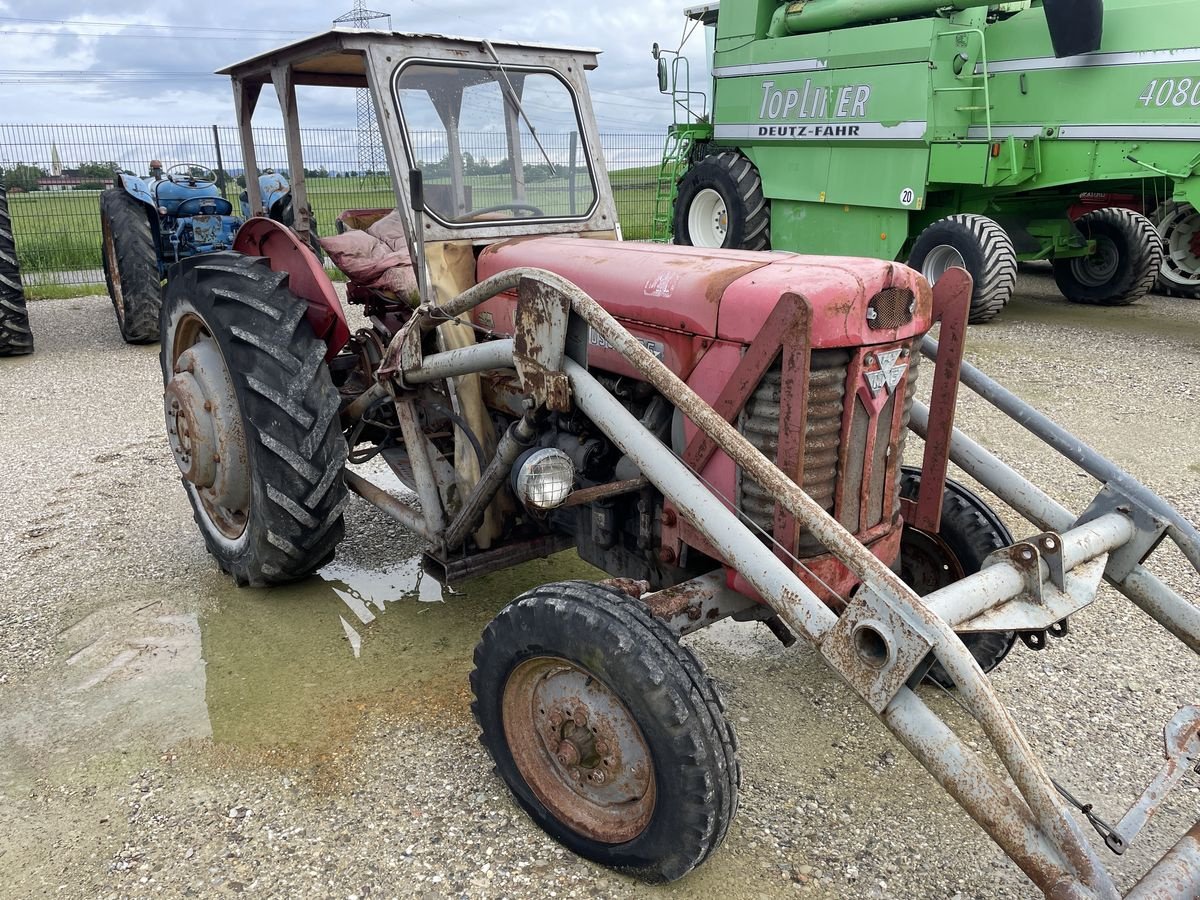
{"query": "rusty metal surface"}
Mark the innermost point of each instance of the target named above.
(1176, 876)
(1181, 747)
(406, 514)
(585, 496)
(630, 587)
(951, 307)
(539, 339)
(204, 428)
(579, 749)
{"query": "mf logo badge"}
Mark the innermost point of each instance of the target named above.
(883, 372)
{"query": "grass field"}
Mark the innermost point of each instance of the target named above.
(59, 232)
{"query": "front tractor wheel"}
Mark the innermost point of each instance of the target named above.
(1125, 265)
(252, 419)
(607, 731)
(977, 244)
(130, 266)
(970, 531)
(1178, 226)
(720, 203)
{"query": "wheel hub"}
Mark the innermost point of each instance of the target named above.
(579, 749)
(1180, 232)
(939, 260)
(204, 428)
(1099, 268)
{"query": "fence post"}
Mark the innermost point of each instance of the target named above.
(220, 162)
(571, 169)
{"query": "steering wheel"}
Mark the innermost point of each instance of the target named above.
(188, 174)
(534, 212)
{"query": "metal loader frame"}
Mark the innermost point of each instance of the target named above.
(884, 642)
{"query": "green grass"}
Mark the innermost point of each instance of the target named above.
(60, 231)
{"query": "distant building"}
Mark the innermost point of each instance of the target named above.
(67, 181)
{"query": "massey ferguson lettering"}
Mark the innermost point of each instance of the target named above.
(813, 102)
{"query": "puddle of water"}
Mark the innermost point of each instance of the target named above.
(283, 671)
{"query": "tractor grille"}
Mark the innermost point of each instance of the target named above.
(827, 404)
(890, 308)
(760, 425)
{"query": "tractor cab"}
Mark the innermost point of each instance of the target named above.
(485, 140)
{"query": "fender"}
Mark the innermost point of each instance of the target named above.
(272, 187)
(265, 237)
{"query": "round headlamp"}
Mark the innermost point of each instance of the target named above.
(545, 478)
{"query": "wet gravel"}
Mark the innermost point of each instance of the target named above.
(166, 735)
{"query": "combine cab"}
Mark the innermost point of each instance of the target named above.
(945, 135)
(722, 431)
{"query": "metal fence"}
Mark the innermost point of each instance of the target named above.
(55, 174)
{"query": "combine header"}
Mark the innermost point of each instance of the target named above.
(722, 431)
(946, 134)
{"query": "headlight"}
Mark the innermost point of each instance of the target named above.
(545, 478)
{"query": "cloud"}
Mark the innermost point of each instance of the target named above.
(134, 75)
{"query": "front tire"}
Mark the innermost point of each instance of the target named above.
(1125, 266)
(16, 338)
(969, 533)
(977, 244)
(1178, 226)
(130, 265)
(720, 203)
(607, 731)
(252, 419)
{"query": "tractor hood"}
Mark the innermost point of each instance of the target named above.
(728, 294)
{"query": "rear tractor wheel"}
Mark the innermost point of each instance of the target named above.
(130, 265)
(977, 244)
(1125, 266)
(16, 339)
(720, 203)
(1178, 226)
(252, 419)
(970, 531)
(607, 731)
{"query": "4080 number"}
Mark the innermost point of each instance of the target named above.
(1172, 92)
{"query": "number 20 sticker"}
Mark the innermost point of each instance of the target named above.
(907, 197)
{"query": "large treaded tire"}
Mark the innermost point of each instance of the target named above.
(970, 531)
(736, 180)
(130, 266)
(1127, 262)
(16, 338)
(288, 408)
(693, 747)
(1178, 227)
(986, 251)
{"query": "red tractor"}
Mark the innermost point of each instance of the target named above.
(723, 432)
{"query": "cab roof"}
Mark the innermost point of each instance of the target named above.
(336, 57)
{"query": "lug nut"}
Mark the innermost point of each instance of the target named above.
(598, 776)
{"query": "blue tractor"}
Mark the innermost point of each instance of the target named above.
(148, 224)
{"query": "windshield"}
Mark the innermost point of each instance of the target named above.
(494, 144)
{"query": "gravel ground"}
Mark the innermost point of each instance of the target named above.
(165, 734)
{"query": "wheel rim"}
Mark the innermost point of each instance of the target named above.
(113, 271)
(927, 563)
(939, 260)
(204, 428)
(1099, 268)
(1180, 232)
(708, 219)
(579, 749)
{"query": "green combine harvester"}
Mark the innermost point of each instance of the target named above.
(947, 134)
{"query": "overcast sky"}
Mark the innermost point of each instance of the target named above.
(57, 69)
